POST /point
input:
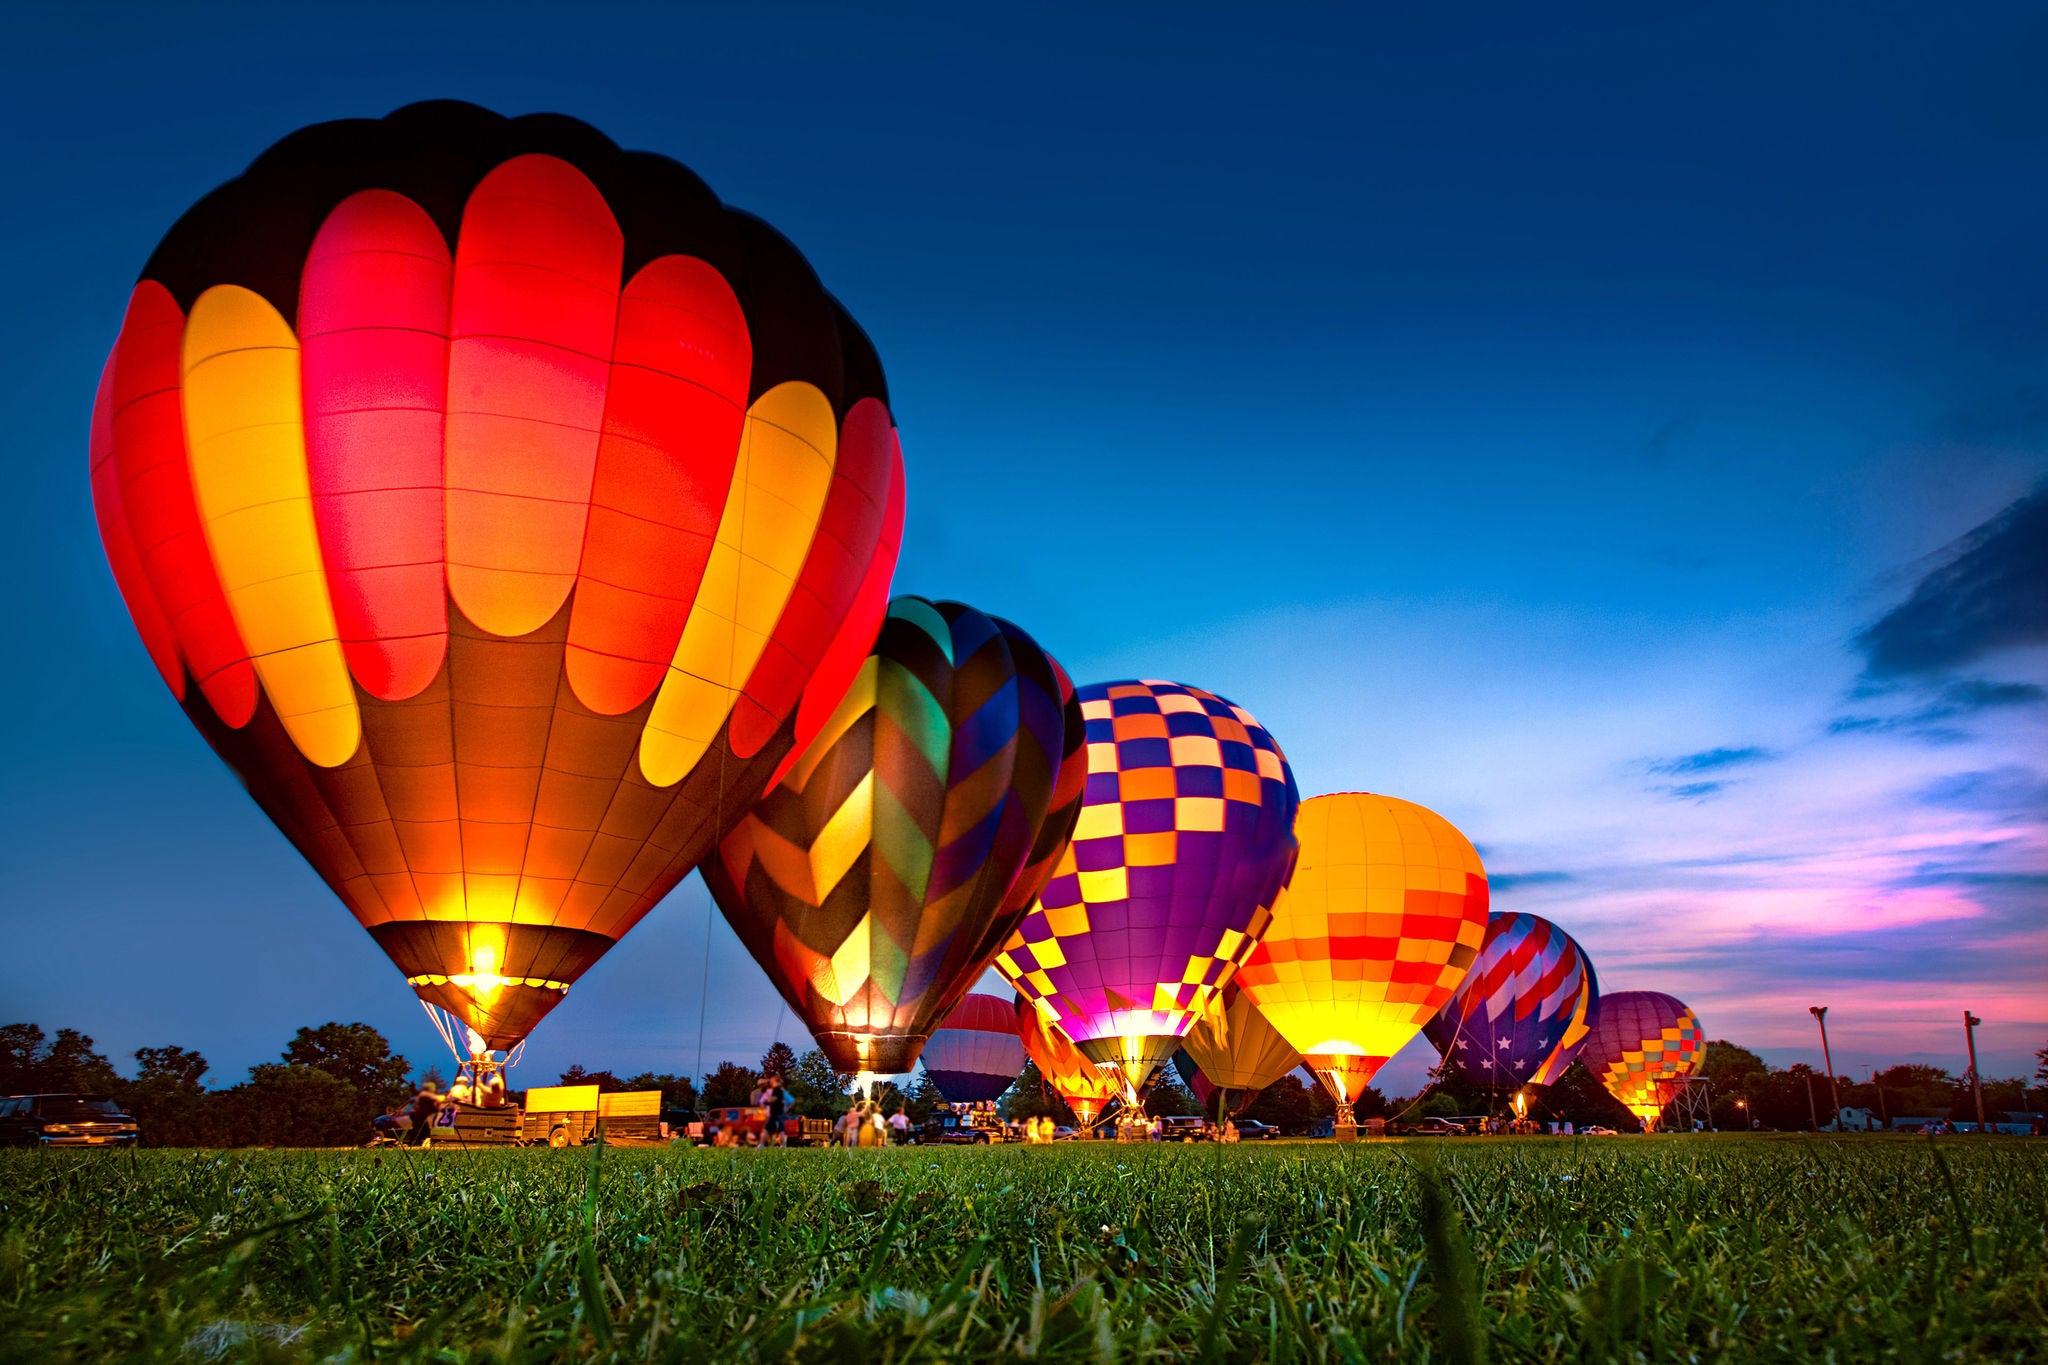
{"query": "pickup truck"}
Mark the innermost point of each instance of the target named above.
(1183, 1128)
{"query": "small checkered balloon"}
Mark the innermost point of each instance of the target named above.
(1384, 917)
(1185, 839)
(1643, 1046)
(1521, 1014)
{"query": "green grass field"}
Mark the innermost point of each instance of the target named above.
(1678, 1248)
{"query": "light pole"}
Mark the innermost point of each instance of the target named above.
(1820, 1012)
(1970, 1022)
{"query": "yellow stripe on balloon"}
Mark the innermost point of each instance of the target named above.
(858, 701)
(771, 514)
(844, 838)
(245, 440)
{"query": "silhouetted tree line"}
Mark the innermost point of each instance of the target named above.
(323, 1090)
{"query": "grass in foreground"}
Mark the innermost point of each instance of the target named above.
(1681, 1248)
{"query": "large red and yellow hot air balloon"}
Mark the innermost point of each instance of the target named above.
(1086, 1086)
(1185, 838)
(1382, 920)
(881, 874)
(1643, 1046)
(504, 510)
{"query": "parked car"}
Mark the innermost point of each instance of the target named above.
(1433, 1126)
(1183, 1128)
(945, 1127)
(65, 1121)
(1251, 1130)
(1597, 1131)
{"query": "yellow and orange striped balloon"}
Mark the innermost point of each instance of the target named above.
(1382, 920)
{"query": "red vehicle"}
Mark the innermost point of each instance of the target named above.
(747, 1122)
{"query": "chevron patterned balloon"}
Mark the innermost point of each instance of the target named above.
(1524, 1009)
(875, 882)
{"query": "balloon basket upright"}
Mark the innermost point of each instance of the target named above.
(1347, 1128)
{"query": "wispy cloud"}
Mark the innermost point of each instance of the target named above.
(1711, 760)
(1933, 721)
(1509, 881)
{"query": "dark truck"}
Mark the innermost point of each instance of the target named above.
(65, 1121)
(945, 1126)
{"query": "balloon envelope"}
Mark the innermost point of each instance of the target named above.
(1184, 839)
(1085, 1086)
(1237, 1050)
(1383, 918)
(878, 878)
(434, 463)
(1525, 1004)
(976, 1053)
(1642, 1047)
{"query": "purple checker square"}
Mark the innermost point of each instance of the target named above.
(1100, 791)
(1216, 706)
(1151, 904)
(1196, 852)
(1148, 817)
(1060, 891)
(1242, 757)
(1198, 779)
(1101, 729)
(1098, 855)
(1144, 753)
(1135, 706)
(1189, 723)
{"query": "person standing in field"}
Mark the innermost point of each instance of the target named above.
(777, 1100)
(426, 1106)
(899, 1127)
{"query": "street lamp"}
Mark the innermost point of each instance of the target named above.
(1820, 1012)
(1970, 1022)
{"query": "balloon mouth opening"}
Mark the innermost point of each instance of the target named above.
(1130, 1059)
(1344, 1074)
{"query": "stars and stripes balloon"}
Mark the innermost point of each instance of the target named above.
(975, 1053)
(504, 510)
(879, 876)
(1381, 922)
(1086, 1086)
(1523, 1010)
(1642, 1047)
(1236, 1050)
(1184, 840)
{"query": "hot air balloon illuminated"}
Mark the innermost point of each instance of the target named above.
(504, 510)
(975, 1054)
(1642, 1047)
(1384, 916)
(1522, 1011)
(878, 878)
(1185, 838)
(1236, 1050)
(1084, 1085)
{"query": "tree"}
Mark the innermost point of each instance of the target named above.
(167, 1101)
(65, 1064)
(1578, 1098)
(925, 1097)
(605, 1081)
(817, 1091)
(779, 1060)
(731, 1084)
(1287, 1104)
(359, 1057)
(1166, 1097)
(294, 1105)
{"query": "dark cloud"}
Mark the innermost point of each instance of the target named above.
(1708, 760)
(1991, 593)
(1695, 791)
(1930, 720)
(1508, 881)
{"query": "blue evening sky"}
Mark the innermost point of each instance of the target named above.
(1525, 416)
